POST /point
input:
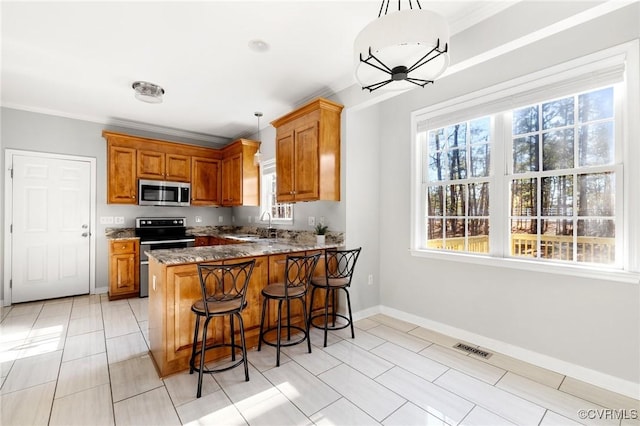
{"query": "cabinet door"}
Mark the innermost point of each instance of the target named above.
(122, 184)
(123, 267)
(151, 165)
(205, 183)
(178, 168)
(232, 181)
(285, 167)
(306, 163)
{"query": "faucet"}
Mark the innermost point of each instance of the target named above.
(271, 232)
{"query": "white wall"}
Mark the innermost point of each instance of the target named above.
(594, 324)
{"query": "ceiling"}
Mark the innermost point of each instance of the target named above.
(79, 59)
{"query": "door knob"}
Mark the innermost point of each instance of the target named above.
(85, 226)
(85, 234)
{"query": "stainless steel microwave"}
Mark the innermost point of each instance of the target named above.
(163, 193)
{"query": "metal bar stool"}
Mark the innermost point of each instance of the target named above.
(339, 267)
(297, 275)
(224, 290)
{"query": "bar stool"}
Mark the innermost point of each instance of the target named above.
(224, 290)
(339, 267)
(297, 275)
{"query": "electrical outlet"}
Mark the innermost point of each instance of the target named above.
(198, 219)
(106, 220)
(312, 221)
(220, 219)
(119, 220)
(370, 279)
(249, 219)
(233, 219)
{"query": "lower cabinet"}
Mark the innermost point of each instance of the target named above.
(124, 271)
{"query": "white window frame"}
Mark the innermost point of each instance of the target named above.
(607, 67)
(268, 167)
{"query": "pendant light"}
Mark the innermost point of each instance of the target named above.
(401, 49)
(257, 157)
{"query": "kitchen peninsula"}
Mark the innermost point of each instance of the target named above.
(174, 285)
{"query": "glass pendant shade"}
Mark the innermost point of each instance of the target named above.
(402, 49)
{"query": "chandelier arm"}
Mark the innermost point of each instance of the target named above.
(382, 68)
(420, 62)
(418, 79)
(419, 82)
(381, 7)
(418, 1)
(377, 85)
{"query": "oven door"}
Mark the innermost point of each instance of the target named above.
(144, 259)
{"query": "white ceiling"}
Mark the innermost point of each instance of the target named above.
(79, 59)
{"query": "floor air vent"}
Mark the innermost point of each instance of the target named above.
(471, 349)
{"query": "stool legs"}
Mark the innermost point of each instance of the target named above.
(288, 326)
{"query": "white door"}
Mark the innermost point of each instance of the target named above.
(51, 217)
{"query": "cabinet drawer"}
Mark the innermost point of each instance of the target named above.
(119, 247)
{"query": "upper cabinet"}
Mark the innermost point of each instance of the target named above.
(240, 177)
(205, 186)
(130, 158)
(308, 153)
(163, 166)
(122, 186)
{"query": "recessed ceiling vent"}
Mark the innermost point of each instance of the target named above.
(472, 350)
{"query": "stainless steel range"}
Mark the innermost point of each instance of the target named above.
(157, 233)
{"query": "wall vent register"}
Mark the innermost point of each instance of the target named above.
(472, 350)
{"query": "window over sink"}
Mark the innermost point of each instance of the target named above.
(280, 212)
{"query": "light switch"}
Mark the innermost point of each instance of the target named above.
(198, 219)
(220, 219)
(312, 221)
(119, 220)
(106, 220)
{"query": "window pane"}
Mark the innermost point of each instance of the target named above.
(557, 150)
(478, 236)
(596, 194)
(556, 241)
(595, 105)
(596, 241)
(480, 160)
(479, 199)
(523, 197)
(437, 167)
(437, 140)
(524, 240)
(454, 233)
(596, 144)
(455, 200)
(434, 201)
(557, 196)
(558, 113)
(457, 164)
(434, 234)
(525, 154)
(480, 130)
(457, 135)
(525, 120)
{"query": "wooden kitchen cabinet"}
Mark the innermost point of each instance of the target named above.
(240, 177)
(308, 153)
(163, 166)
(122, 185)
(124, 271)
(205, 181)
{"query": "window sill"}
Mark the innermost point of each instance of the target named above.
(527, 265)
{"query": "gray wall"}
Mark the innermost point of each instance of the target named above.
(588, 322)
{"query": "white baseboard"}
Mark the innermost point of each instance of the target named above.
(596, 378)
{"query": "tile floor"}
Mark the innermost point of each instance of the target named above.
(84, 361)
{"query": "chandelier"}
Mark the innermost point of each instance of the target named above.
(401, 49)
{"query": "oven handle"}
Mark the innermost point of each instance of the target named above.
(185, 240)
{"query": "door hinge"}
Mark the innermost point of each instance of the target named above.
(10, 283)
(11, 173)
(11, 228)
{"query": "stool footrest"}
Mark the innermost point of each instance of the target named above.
(283, 340)
(322, 326)
(194, 367)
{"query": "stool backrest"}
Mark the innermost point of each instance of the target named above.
(298, 271)
(223, 283)
(340, 264)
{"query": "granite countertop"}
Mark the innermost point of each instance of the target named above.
(233, 251)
